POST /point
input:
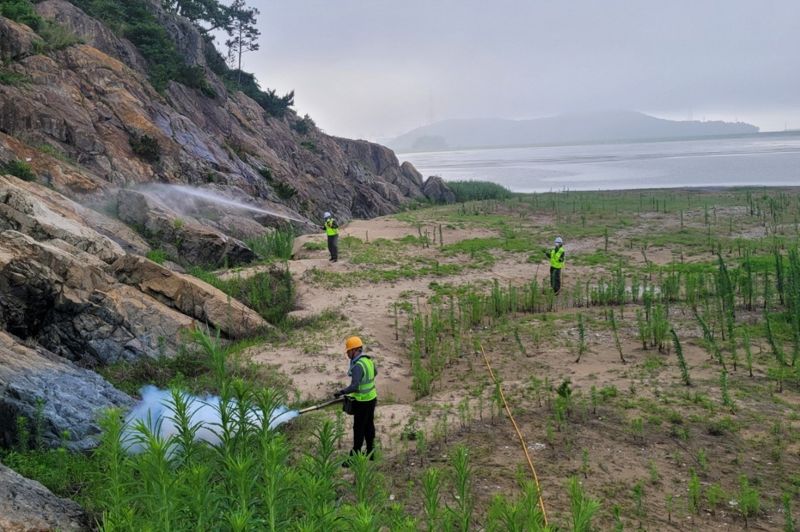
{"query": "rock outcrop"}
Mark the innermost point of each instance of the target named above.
(437, 191)
(190, 296)
(184, 239)
(27, 506)
(63, 399)
(81, 295)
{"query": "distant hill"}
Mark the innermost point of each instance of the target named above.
(573, 128)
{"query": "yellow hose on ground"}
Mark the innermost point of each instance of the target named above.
(519, 434)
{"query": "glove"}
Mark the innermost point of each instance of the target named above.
(336, 395)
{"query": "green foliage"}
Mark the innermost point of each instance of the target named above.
(582, 506)
(284, 191)
(21, 11)
(681, 360)
(146, 147)
(269, 293)
(11, 78)
(56, 37)
(19, 169)
(694, 493)
(748, 499)
(274, 105)
(303, 126)
(136, 21)
(159, 256)
(478, 190)
(277, 244)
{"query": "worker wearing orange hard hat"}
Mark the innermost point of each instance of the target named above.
(360, 396)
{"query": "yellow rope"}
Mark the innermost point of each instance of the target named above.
(519, 434)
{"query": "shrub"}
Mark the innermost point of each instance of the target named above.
(159, 256)
(283, 190)
(19, 169)
(57, 37)
(276, 244)
(266, 173)
(304, 125)
(478, 190)
(14, 79)
(146, 147)
(310, 146)
(21, 11)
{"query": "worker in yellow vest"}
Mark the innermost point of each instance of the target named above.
(362, 391)
(332, 230)
(556, 256)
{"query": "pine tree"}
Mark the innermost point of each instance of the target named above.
(244, 34)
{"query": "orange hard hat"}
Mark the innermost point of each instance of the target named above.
(352, 343)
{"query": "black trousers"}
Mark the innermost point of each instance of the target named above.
(333, 246)
(555, 279)
(364, 425)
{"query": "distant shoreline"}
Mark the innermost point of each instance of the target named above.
(759, 135)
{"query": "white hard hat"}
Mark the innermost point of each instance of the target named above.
(559, 240)
(326, 215)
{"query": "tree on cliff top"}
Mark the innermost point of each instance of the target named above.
(217, 15)
(244, 34)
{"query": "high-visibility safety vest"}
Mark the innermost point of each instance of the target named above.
(557, 258)
(330, 228)
(366, 388)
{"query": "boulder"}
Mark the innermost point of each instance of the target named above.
(190, 296)
(183, 238)
(54, 394)
(16, 40)
(437, 191)
(59, 297)
(27, 506)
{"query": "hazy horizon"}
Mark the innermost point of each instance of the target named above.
(379, 69)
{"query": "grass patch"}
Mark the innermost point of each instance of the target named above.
(159, 256)
(13, 79)
(478, 190)
(277, 244)
(270, 293)
(20, 169)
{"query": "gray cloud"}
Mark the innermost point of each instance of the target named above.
(376, 68)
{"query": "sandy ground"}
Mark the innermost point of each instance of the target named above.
(317, 364)
(619, 457)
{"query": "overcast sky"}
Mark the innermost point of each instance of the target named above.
(378, 68)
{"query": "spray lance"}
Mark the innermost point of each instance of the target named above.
(320, 406)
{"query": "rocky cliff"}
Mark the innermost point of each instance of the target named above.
(78, 114)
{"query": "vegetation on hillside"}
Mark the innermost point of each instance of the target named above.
(137, 21)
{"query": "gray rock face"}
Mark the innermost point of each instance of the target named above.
(437, 191)
(27, 506)
(26, 208)
(72, 398)
(183, 238)
(16, 40)
(69, 304)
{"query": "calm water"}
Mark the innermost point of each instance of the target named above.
(769, 161)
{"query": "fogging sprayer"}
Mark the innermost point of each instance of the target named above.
(321, 405)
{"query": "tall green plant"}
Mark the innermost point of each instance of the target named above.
(681, 360)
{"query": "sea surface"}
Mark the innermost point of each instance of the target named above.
(767, 160)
